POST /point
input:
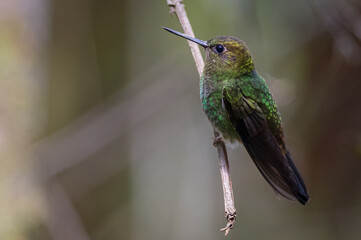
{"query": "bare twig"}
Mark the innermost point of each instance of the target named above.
(177, 7)
(229, 208)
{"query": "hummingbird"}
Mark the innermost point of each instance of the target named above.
(240, 106)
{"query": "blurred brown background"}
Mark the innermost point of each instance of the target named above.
(102, 135)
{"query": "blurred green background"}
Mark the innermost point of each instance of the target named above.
(102, 135)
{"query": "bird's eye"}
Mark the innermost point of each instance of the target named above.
(219, 48)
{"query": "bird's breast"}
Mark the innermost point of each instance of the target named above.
(211, 100)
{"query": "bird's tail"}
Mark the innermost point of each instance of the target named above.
(300, 191)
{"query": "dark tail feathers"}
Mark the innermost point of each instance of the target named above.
(278, 169)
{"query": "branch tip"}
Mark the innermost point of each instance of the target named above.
(231, 217)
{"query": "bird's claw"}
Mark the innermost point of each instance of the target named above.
(217, 140)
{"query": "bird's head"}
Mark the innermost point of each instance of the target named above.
(225, 55)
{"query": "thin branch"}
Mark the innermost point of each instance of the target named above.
(177, 7)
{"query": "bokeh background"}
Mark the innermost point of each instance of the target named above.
(102, 135)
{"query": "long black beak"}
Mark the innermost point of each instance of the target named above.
(200, 42)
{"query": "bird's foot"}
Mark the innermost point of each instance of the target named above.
(217, 140)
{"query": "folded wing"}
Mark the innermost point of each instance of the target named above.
(276, 166)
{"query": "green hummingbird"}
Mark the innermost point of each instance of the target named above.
(238, 103)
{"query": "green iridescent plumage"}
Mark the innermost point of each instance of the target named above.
(238, 103)
(250, 85)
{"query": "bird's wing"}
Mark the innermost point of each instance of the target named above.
(276, 166)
